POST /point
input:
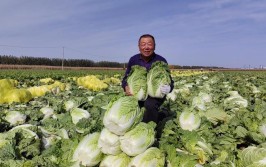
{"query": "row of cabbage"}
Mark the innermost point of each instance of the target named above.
(220, 120)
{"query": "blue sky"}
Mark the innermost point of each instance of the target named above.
(224, 33)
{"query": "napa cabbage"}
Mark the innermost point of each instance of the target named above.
(17, 95)
(48, 112)
(235, 101)
(15, 117)
(122, 114)
(262, 129)
(152, 157)
(201, 101)
(87, 152)
(74, 102)
(78, 113)
(120, 160)
(216, 114)
(20, 142)
(137, 140)
(158, 75)
(109, 142)
(137, 82)
(189, 121)
(252, 157)
(37, 91)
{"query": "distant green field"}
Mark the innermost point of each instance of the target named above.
(55, 74)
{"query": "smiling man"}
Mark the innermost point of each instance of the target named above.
(146, 58)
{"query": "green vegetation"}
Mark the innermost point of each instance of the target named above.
(215, 119)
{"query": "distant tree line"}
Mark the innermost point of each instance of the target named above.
(25, 60)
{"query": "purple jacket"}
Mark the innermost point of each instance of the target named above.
(137, 60)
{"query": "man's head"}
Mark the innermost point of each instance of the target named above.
(146, 45)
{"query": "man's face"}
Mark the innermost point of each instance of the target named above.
(146, 46)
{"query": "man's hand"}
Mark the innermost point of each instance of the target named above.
(127, 91)
(165, 89)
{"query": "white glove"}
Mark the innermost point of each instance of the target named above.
(165, 89)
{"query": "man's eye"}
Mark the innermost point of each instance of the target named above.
(148, 44)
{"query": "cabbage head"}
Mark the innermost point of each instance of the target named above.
(122, 115)
(151, 157)
(17, 95)
(15, 117)
(235, 101)
(189, 121)
(202, 101)
(137, 82)
(78, 113)
(252, 157)
(137, 140)
(109, 142)
(158, 75)
(87, 152)
(120, 160)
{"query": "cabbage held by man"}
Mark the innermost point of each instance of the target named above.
(137, 82)
(158, 76)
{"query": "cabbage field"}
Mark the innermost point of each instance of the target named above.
(81, 118)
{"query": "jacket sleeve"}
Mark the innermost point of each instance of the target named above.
(171, 84)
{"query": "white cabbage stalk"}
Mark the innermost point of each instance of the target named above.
(120, 160)
(137, 140)
(262, 129)
(189, 121)
(90, 98)
(109, 142)
(50, 140)
(79, 113)
(122, 115)
(47, 111)
(69, 105)
(152, 157)
(173, 95)
(87, 152)
(222, 157)
(15, 117)
(205, 147)
(63, 133)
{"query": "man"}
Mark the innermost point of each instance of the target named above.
(146, 58)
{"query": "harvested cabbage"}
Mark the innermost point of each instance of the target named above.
(137, 140)
(87, 152)
(158, 75)
(137, 82)
(122, 115)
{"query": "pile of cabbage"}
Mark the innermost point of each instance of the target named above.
(124, 141)
(9, 92)
(142, 83)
